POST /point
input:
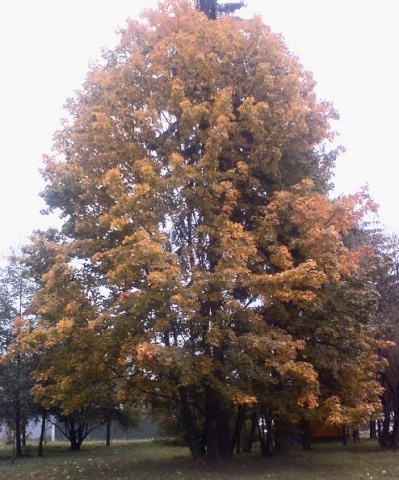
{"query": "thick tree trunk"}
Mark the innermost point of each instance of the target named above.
(73, 440)
(217, 428)
(235, 443)
(211, 426)
(384, 431)
(373, 429)
(394, 441)
(76, 435)
(283, 432)
(190, 425)
(251, 437)
(384, 426)
(344, 433)
(306, 435)
(224, 434)
(265, 428)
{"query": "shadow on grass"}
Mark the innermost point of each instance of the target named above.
(156, 460)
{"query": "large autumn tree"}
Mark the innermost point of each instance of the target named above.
(192, 178)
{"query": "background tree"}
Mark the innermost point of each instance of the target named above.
(213, 9)
(70, 383)
(16, 403)
(192, 179)
(385, 278)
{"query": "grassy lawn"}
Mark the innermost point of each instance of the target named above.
(151, 460)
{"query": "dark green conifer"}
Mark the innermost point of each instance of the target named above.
(213, 10)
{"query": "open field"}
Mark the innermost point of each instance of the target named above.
(151, 460)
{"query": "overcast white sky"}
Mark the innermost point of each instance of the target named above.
(46, 46)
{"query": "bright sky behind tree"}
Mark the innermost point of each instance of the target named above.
(46, 46)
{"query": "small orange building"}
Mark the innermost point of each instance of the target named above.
(321, 431)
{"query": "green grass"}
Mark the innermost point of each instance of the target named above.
(152, 460)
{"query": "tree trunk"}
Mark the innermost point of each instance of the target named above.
(269, 436)
(384, 431)
(18, 444)
(23, 434)
(373, 429)
(344, 430)
(235, 443)
(216, 417)
(265, 429)
(224, 434)
(394, 442)
(306, 435)
(356, 434)
(108, 434)
(251, 437)
(211, 426)
(191, 428)
(217, 427)
(76, 435)
(42, 433)
(75, 444)
(283, 432)
(73, 439)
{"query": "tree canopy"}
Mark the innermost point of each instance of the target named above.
(200, 256)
